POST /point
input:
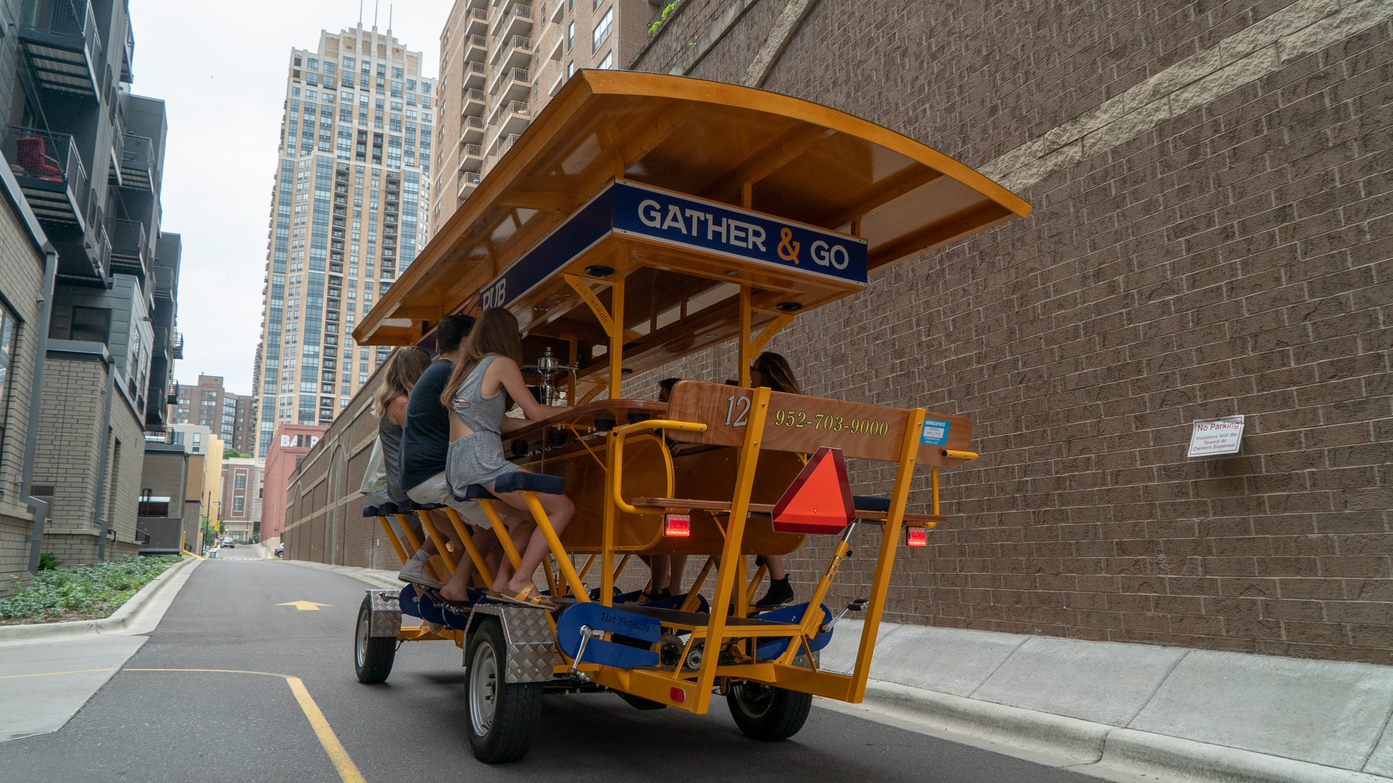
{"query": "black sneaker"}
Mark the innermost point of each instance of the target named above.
(779, 593)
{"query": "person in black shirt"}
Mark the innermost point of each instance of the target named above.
(425, 438)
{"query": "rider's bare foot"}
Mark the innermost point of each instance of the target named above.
(449, 593)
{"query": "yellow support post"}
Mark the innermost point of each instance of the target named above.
(735, 533)
(462, 530)
(889, 544)
(558, 551)
(746, 359)
(396, 542)
(450, 562)
(616, 341)
(505, 539)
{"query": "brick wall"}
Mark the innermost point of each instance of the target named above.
(69, 423)
(124, 487)
(21, 280)
(324, 522)
(1234, 258)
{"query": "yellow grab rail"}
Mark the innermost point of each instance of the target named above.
(620, 433)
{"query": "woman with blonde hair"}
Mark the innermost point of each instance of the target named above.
(486, 375)
(389, 404)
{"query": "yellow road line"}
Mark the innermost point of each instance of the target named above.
(52, 674)
(338, 754)
(348, 771)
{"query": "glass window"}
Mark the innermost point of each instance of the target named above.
(608, 62)
(91, 324)
(570, 36)
(9, 326)
(602, 29)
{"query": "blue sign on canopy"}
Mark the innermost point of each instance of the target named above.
(683, 221)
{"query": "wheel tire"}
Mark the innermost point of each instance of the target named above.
(372, 655)
(766, 713)
(503, 717)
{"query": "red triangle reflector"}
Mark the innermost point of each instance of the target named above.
(819, 500)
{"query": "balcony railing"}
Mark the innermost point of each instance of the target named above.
(165, 282)
(61, 40)
(129, 247)
(128, 61)
(510, 47)
(138, 163)
(473, 75)
(50, 172)
(477, 21)
(475, 48)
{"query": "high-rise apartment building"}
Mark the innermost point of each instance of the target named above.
(347, 215)
(228, 414)
(500, 62)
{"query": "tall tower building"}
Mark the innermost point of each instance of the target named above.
(348, 214)
(501, 61)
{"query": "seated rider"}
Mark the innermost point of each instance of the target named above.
(424, 439)
(486, 374)
(389, 404)
(772, 370)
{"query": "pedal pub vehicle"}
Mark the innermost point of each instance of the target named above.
(642, 218)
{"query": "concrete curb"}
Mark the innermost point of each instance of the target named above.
(372, 576)
(1091, 749)
(1126, 711)
(122, 621)
(1132, 752)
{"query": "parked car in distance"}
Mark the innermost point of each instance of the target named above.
(280, 550)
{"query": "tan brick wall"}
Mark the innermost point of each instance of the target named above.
(124, 488)
(1234, 258)
(69, 423)
(21, 280)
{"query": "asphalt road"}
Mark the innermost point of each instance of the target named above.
(162, 719)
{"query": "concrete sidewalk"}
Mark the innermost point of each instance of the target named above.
(49, 670)
(1121, 710)
(1117, 711)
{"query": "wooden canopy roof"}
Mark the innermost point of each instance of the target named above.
(761, 151)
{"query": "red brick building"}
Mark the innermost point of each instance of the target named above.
(289, 446)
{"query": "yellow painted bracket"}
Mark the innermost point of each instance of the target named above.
(761, 341)
(596, 306)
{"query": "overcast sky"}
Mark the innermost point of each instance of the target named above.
(221, 68)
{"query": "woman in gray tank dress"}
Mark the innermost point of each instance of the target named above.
(487, 374)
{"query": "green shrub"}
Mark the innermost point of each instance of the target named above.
(48, 562)
(662, 18)
(85, 591)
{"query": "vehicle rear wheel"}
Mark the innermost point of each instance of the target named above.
(372, 655)
(766, 713)
(503, 717)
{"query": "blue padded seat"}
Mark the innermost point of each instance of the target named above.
(426, 506)
(370, 512)
(387, 509)
(475, 492)
(870, 503)
(522, 481)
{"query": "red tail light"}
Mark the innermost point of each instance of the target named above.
(677, 526)
(678, 695)
(916, 537)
